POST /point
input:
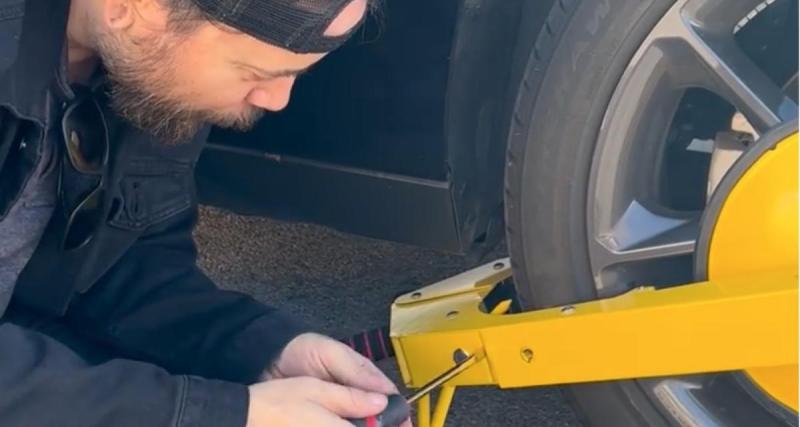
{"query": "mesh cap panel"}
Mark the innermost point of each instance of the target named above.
(297, 25)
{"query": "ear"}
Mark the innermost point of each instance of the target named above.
(118, 14)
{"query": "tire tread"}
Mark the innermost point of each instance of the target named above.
(592, 400)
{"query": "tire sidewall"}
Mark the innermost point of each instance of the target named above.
(571, 74)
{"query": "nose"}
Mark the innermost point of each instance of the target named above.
(272, 95)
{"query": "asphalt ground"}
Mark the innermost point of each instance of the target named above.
(342, 284)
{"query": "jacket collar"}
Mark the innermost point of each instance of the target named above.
(25, 84)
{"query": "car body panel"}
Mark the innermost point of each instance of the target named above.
(399, 135)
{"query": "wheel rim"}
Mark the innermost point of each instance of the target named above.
(642, 226)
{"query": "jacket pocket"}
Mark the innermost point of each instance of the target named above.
(151, 193)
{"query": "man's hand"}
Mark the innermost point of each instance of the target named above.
(306, 401)
(318, 356)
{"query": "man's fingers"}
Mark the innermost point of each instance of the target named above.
(348, 367)
(407, 423)
(328, 359)
(347, 402)
(308, 401)
(316, 415)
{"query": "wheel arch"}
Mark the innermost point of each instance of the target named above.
(489, 49)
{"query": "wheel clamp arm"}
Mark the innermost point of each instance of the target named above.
(646, 332)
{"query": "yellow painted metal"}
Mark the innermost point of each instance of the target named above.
(757, 226)
(646, 332)
(424, 411)
(757, 232)
(779, 382)
(448, 392)
(443, 403)
(483, 277)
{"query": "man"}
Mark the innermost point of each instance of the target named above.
(106, 319)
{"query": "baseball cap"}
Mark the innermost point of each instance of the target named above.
(296, 25)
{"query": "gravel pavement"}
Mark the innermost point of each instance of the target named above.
(342, 284)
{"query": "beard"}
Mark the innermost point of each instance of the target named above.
(142, 79)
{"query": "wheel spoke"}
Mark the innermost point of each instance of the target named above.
(737, 78)
(697, 37)
(718, 16)
(641, 235)
(675, 244)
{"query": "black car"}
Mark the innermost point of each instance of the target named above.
(585, 133)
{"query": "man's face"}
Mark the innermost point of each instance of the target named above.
(171, 82)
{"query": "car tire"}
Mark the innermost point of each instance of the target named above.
(568, 80)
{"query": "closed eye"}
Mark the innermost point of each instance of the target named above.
(252, 77)
(257, 74)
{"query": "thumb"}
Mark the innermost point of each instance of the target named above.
(347, 402)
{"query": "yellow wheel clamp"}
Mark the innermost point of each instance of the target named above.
(742, 315)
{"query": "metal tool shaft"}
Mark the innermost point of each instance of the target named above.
(441, 379)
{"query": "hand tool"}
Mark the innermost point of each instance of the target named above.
(399, 408)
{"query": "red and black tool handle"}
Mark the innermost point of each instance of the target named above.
(375, 344)
(397, 411)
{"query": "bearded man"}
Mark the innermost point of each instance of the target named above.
(105, 318)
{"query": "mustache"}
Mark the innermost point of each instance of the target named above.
(142, 93)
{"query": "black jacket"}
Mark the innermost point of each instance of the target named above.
(189, 346)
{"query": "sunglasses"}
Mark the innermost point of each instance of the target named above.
(84, 133)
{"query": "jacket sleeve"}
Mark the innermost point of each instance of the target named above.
(157, 305)
(43, 383)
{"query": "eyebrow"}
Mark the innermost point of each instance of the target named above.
(272, 74)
